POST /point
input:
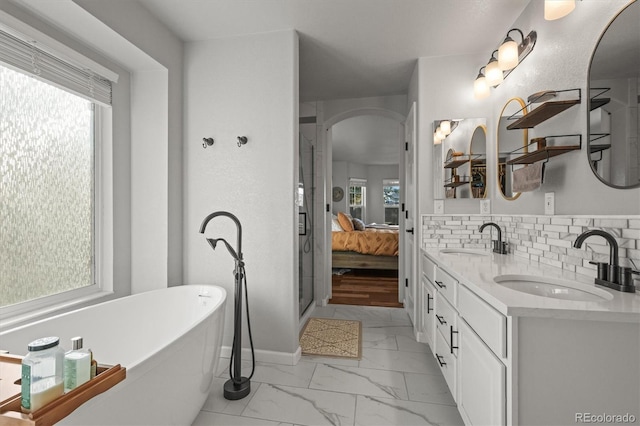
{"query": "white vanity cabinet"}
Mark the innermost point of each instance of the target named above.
(469, 344)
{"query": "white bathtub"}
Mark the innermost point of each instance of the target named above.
(169, 341)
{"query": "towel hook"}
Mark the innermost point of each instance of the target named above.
(207, 142)
(242, 140)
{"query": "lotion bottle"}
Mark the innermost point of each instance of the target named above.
(77, 365)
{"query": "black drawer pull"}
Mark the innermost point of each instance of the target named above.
(440, 360)
(441, 284)
(429, 298)
(441, 319)
(451, 338)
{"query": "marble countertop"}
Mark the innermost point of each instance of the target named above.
(477, 273)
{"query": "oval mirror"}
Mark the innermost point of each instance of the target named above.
(511, 144)
(478, 155)
(614, 95)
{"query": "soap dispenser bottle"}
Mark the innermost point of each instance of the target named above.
(77, 365)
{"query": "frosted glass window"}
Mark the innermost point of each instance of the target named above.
(46, 189)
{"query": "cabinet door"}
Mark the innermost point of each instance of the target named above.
(428, 312)
(482, 381)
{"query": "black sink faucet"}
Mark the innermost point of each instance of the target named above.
(610, 274)
(499, 246)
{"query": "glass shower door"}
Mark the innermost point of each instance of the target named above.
(305, 224)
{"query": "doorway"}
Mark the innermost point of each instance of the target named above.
(366, 151)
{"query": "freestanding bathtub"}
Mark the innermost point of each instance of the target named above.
(169, 341)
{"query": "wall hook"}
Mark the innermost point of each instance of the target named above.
(207, 142)
(242, 140)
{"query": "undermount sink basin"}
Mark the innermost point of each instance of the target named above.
(554, 288)
(464, 252)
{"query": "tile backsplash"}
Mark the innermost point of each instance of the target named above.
(538, 238)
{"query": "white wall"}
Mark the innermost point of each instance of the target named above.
(560, 60)
(245, 86)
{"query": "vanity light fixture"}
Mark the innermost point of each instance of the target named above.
(493, 73)
(510, 55)
(508, 51)
(556, 9)
(480, 86)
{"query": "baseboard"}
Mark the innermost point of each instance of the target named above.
(421, 337)
(272, 357)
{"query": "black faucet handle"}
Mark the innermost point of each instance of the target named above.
(603, 269)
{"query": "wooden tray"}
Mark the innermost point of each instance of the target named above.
(10, 412)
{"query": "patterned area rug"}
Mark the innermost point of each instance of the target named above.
(332, 337)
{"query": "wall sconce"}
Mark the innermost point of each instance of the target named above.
(480, 86)
(510, 55)
(556, 9)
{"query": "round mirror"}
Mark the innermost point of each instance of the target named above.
(478, 155)
(511, 144)
(614, 92)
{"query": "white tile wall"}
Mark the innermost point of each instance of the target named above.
(544, 239)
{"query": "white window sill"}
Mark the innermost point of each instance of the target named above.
(52, 310)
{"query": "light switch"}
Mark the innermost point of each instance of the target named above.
(438, 206)
(549, 203)
(485, 207)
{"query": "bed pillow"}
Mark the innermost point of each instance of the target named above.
(335, 225)
(358, 225)
(345, 221)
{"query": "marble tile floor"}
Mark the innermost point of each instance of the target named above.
(397, 382)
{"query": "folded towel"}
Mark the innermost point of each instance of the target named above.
(528, 178)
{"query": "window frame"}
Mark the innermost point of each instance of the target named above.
(359, 183)
(102, 282)
(387, 183)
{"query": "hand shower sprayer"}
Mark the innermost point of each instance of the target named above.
(237, 387)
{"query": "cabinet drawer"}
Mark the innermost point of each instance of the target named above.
(446, 320)
(428, 268)
(447, 362)
(446, 285)
(488, 323)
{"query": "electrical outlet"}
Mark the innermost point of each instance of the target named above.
(438, 206)
(549, 203)
(485, 207)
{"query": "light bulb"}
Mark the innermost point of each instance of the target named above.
(445, 126)
(493, 73)
(480, 87)
(508, 54)
(556, 9)
(436, 139)
(440, 134)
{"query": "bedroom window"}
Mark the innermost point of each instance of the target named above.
(47, 163)
(357, 198)
(391, 197)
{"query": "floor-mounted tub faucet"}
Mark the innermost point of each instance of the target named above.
(499, 246)
(610, 274)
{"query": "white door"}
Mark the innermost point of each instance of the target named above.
(409, 215)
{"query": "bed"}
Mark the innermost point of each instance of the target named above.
(371, 248)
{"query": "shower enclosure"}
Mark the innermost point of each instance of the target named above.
(305, 224)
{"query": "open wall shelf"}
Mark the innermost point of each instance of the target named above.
(462, 180)
(542, 113)
(546, 152)
(543, 154)
(545, 111)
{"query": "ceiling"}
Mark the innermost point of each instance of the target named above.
(351, 48)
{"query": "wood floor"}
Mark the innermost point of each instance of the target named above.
(366, 287)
